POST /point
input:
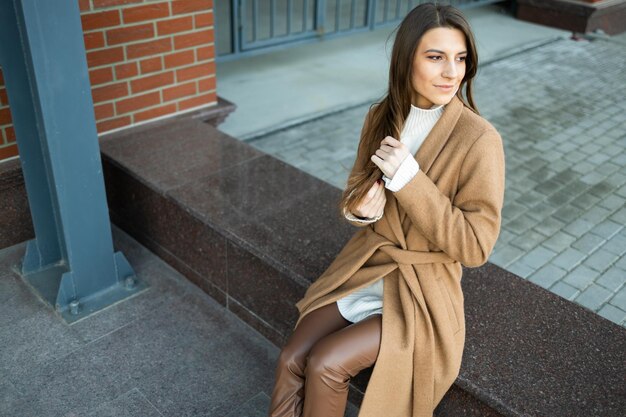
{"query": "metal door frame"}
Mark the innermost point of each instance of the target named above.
(240, 47)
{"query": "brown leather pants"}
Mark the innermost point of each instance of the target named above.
(315, 366)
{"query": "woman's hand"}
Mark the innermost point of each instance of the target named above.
(373, 204)
(390, 155)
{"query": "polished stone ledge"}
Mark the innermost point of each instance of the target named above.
(254, 232)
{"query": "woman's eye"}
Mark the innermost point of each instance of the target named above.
(462, 58)
(435, 58)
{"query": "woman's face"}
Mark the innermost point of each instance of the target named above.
(438, 67)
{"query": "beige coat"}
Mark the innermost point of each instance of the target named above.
(448, 215)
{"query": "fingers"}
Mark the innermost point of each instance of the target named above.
(371, 205)
(382, 200)
(391, 141)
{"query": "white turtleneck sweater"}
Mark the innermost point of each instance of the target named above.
(418, 124)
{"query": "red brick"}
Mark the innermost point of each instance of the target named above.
(149, 48)
(105, 56)
(8, 151)
(204, 19)
(130, 34)
(197, 101)
(151, 82)
(179, 91)
(104, 111)
(109, 92)
(5, 116)
(1, 77)
(113, 124)
(151, 65)
(181, 24)
(153, 113)
(100, 76)
(9, 133)
(93, 40)
(178, 59)
(197, 71)
(147, 12)
(4, 98)
(100, 20)
(126, 70)
(108, 3)
(206, 84)
(137, 102)
(188, 6)
(193, 39)
(84, 5)
(205, 52)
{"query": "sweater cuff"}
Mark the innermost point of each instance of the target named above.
(353, 218)
(405, 173)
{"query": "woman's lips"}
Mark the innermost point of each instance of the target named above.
(445, 87)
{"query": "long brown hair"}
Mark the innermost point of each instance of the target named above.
(386, 117)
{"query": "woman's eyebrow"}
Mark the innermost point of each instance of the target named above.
(441, 52)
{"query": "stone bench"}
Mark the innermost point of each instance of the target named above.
(254, 232)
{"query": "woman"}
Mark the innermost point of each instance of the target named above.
(392, 298)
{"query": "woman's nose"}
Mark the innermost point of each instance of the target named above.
(450, 71)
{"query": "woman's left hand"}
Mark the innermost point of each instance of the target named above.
(390, 155)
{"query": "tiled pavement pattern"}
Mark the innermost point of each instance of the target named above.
(561, 111)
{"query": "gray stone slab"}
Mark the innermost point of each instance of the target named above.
(593, 297)
(520, 224)
(588, 243)
(538, 257)
(596, 214)
(549, 226)
(164, 288)
(568, 259)
(607, 228)
(585, 201)
(610, 312)
(619, 216)
(559, 241)
(565, 290)
(505, 254)
(129, 404)
(547, 275)
(578, 227)
(209, 358)
(39, 338)
(528, 240)
(520, 269)
(601, 260)
(612, 279)
(581, 277)
(619, 299)
(9, 397)
(612, 202)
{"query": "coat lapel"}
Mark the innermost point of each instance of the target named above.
(439, 134)
(426, 155)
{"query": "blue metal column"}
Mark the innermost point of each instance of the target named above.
(70, 263)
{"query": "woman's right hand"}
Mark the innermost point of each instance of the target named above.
(373, 203)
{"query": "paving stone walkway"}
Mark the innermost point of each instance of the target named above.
(561, 112)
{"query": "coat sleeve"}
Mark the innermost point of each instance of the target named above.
(467, 228)
(350, 218)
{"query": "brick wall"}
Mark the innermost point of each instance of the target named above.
(146, 59)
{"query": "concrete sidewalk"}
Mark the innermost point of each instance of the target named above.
(281, 88)
(171, 350)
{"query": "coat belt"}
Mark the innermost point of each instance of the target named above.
(405, 256)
